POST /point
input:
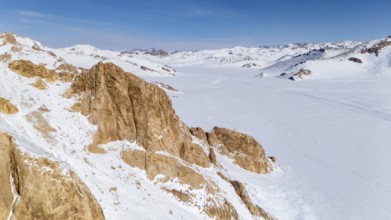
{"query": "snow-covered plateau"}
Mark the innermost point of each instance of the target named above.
(323, 111)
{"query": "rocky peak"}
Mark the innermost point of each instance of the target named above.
(125, 107)
(8, 38)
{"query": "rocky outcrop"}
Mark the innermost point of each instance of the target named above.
(249, 65)
(37, 188)
(28, 69)
(5, 57)
(157, 164)
(39, 84)
(66, 67)
(157, 52)
(125, 107)
(300, 74)
(243, 149)
(375, 49)
(66, 76)
(165, 86)
(142, 112)
(223, 211)
(241, 191)
(7, 107)
(9, 38)
(354, 59)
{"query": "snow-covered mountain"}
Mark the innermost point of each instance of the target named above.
(79, 56)
(346, 59)
(84, 138)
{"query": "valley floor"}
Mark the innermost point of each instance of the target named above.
(331, 138)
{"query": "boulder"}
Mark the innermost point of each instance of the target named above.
(354, 59)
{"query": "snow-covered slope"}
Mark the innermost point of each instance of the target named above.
(345, 59)
(330, 137)
(80, 56)
(247, 57)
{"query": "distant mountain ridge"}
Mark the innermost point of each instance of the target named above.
(281, 61)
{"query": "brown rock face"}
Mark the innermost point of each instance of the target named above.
(224, 211)
(124, 106)
(200, 134)
(245, 150)
(28, 69)
(7, 107)
(5, 57)
(39, 84)
(66, 76)
(155, 164)
(241, 191)
(35, 188)
(254, 209)
(8, 38)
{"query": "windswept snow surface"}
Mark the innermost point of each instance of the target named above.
(331, 138)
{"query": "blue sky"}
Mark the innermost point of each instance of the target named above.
(193, 24)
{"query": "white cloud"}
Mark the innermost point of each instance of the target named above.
(33, 14)
(27, 15)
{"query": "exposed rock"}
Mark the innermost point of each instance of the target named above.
(245, 150)
(165, 86)
(36, 47)
(273, 158)
(354, 59)
(254, 209)
(66, 67)
(224, 211)
(5, 57)
(9, 38)
(16, 49)
(7, 107)
(300, 74)
(249, 65)
(142, 111)
(212, 156)
(66, 76)
(157, 164)
(241, 191)
(124, 107)
(147, 69)
(159, 52)
(377, 47)
(41, 124)
(37, 188)
(28, 69)
(182, 196)
(39, 84)
(199, 133)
